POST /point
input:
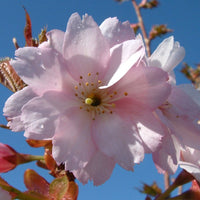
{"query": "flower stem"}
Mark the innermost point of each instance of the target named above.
(141, 24)
(166, 180)
(183, 178)
(24, 158)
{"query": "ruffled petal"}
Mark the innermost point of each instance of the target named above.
(151, 131)
(176, 56)
(116, 32)
(98, 170)
(116, 138)
(73, 143)
(40, 115)
(167, 55)
(191, 92)
(13, 106)
(186, 105)
(55, 39)
(166, 158)
(123, 57)
(161, 54)
(146, 86)
(85, 48)
(38, 67)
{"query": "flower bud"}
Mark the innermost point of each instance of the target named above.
(8, 158)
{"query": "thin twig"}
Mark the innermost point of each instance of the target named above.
(141, 24)
(166, 180)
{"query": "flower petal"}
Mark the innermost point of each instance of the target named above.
(73, 142)
(191, 92)
(167, 55)
(167, 156)
(116, 32)
(40, 117)
(161, 54)
(176, 56)
(145, 85)
(13, 106)
(184, 104)
(38, 67)
(123, 58)
(151, 131)
(85, 48)
(115, 138)
(55, 39)
(191, 168)
(98, 170)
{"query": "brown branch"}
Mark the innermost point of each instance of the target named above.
(141, 24)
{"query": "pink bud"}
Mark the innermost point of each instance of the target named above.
(8, 158)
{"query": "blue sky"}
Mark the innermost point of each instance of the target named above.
(181, 16)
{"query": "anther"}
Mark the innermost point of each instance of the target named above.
(76, 87)
(125, 93)
(113, 105)
(99, 81)
(81, 77)
(89, 74)
(87, 84)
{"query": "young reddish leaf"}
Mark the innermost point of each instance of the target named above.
(192, 74)
(151, 190)
(39, 143)
(72, 191)
(50, 162)
(42, 36)
(28, 30)
(9, 78)
(58, 188)
(150, 4)
(35, 183)
(158, 30)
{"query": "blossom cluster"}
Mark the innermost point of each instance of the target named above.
(93, 91)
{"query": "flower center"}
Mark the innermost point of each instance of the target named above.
(94, 100)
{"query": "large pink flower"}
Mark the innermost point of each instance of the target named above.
(87, 89)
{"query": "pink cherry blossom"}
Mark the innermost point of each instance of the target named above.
(88, 88)
(6, 154)
(179, 114)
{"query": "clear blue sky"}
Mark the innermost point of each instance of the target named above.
(181, 16)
